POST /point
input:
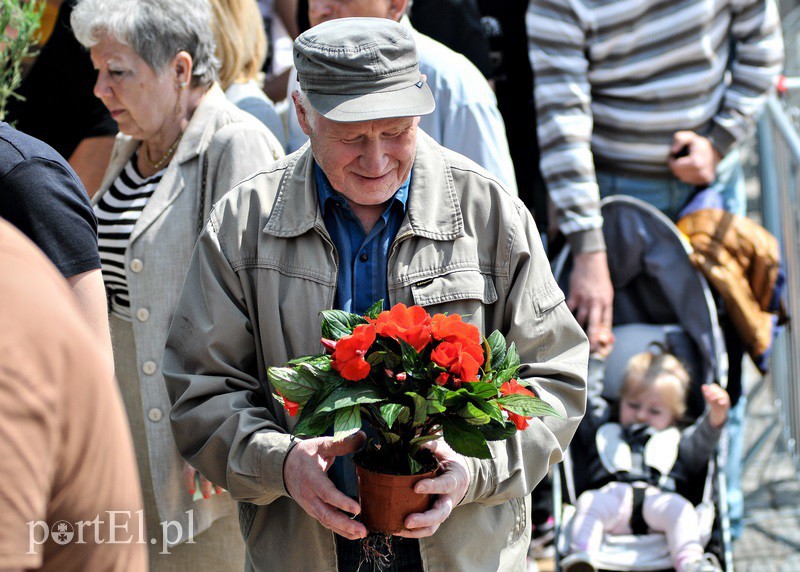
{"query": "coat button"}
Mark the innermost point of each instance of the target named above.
(136, 265)
(154, 415)
(142, 314)
(149, 367)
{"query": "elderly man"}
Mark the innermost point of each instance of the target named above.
(466, 118)
(372, 209)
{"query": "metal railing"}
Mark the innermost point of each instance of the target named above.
(779, 155)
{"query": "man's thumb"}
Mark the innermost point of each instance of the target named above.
(343, 447)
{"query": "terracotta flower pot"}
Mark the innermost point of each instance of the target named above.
(386, 500)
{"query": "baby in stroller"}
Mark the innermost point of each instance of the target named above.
(643, 459)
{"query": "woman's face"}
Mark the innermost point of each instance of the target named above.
(141, 100)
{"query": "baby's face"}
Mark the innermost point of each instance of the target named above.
(648, 407)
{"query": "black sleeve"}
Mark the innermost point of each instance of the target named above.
(47, 202)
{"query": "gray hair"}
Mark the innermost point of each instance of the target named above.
(155, 29)
(311, 113)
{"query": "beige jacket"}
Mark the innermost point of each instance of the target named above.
(228, 144)
(264, 268)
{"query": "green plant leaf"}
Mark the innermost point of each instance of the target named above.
(336, 323)
(420, 408)
(389, 437)
(465, 438)
(417, 441)
(497, 349)
(512, 357)
(490, 408)
(435, 407)
(347, 422)
(413, 465)
(481, 390)
(314, 425)
(505, 375)
(321, 371)
(349, 395)
(412, 364)
(527, 406)
(390, 411)
(374, 310)
(292, 384)
(498, 431)
(473, 415)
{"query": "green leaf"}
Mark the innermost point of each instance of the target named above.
(481, 390)
(321, 371)
(411, 359)
(349, 395)
(435, 407)
(498, 431)
(490, 408)
(497, 349)
(292, 384)
(389, 437)
(336, 323)
(505, 375)
(405, 415)
(512, 357)
(420, 408)
(465, 438)
(527, 406)
(347, 422)
(390, 411)
(413, 465)
(375, 309)
(314, 425)
(456, 398)
(473, 415)
(417, 441)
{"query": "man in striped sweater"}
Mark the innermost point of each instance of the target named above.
(647, 98)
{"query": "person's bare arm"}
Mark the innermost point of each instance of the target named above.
(90, 160)
(591, 294)
(90, 293)
(287, 12)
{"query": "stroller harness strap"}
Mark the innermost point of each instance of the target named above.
(639, 453)
(638, 524)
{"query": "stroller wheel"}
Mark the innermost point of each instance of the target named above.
(578, 562)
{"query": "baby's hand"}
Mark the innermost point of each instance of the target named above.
(719, 402)
(605, 342)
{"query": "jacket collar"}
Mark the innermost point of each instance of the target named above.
(433, 208)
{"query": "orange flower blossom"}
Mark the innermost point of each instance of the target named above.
(508, 388)
(462, 360)
(410, 324)
(348, 357)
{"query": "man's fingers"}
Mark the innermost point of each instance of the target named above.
(424, 524)
(332, 496)
(206, 487)
(188, 478)
(335, 520)
(680, 139)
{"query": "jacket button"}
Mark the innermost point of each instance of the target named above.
(142, 314)
(364, 257)
(149, 367)
(136, 265)
(154, 415)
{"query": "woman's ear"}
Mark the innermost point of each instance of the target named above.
(182, 66)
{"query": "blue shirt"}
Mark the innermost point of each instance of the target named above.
(361, 280)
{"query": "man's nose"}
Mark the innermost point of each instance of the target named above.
(373, 157)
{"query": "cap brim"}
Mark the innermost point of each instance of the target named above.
(407, 102)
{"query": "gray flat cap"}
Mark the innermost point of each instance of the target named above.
(361, 69)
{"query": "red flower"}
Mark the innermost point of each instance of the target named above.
(348, 357)
(442, 378)
(412, 325)
(291, 407)
(509, 388)
(452, 328)
(462, 360)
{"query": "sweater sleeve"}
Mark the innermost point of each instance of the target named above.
(698, 442)
(556, 41)
(758, 58)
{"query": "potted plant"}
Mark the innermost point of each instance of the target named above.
(413, 378)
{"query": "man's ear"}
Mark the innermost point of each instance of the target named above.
(182, 66)
(397, 8)
(302, 118)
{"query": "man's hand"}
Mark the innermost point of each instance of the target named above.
(306, 479)
(591, 294)
(206, 486)
(699, 165)
(451, 486)
(719, 402)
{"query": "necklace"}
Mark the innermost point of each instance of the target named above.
(161, 162)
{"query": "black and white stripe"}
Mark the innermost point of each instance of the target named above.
(117, 212)
(615, 79)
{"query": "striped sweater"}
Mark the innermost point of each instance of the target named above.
(615, 79)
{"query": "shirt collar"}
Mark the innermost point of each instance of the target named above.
(329, 196)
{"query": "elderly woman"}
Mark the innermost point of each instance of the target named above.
(182, 146)
(242, 49)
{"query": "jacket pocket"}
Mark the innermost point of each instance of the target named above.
(461, 285)
(247, 513)
(547, 298)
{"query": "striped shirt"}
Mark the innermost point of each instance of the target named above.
(615, 79)
(117, 212)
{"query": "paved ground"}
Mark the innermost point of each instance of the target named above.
(771, 538)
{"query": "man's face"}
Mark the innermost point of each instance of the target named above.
(365, 161)
(323, 10)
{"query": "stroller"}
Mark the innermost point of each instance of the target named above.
(658, 297)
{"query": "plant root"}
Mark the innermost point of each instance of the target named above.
(376, 551)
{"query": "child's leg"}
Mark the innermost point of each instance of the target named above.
(607, 509)
(676, 517)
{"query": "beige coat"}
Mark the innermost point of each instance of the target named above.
(263, 270)
(231, 144)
